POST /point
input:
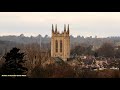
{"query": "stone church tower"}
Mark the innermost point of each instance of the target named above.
(60, 43)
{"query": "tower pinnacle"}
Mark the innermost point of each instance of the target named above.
(52, 29)
(68, 29)
(64, 28)
(56, 28)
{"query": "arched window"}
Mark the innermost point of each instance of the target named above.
(60, 45)
(56, 45)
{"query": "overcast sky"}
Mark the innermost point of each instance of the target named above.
(101, 24)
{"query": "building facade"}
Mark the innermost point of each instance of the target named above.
(60, 43)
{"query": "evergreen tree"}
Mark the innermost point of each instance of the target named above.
(14, 63)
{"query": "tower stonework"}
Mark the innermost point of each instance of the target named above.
(60, 43)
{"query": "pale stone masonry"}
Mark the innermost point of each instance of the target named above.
(60, 43)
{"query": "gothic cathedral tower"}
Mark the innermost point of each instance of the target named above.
(60, 43)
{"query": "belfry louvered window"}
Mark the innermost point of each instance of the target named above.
(56, 44)
(60, 45)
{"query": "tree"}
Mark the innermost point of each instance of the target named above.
(79, 50)
(53, 71)
(14, 63)
(117, 53)
(35, 55)
(88, 50)
(106, 50)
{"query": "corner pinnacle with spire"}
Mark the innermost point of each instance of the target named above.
(68, 29)
(56, 28)
(52, 29)
(64, 28)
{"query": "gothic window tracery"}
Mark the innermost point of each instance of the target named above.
(60, 45)
(56, 44)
